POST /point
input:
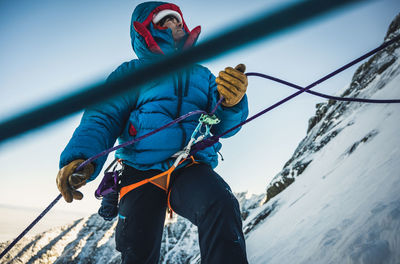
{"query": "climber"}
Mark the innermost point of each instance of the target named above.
(196, 191)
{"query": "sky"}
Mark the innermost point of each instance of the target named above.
(52, 48)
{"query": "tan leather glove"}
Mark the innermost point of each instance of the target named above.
(232, 84)
(68, 180)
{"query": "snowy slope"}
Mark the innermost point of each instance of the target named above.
(345, 206)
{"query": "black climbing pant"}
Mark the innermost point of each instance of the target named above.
(198, 194)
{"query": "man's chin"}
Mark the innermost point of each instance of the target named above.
(179, 37)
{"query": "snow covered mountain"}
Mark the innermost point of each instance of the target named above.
(345, 207)
(91, 240)
(337, 199)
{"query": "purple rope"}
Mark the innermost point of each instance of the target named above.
(214, 139)
(179, 119)
(30, 226)
(107, 151)
(216, 106)
(326, 96)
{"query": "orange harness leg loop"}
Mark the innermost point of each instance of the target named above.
(124, 190)
(157, 180)
(161, 180)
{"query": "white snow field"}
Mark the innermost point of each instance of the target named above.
(345, 207)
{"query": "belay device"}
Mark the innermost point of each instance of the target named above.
(110, 181)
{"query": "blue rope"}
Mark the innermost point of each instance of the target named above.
(267, 25)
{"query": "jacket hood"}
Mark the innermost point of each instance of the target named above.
(147, 40)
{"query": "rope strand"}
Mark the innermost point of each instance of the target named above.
(326, 96)
(305, 89)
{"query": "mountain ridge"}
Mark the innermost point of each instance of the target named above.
(326, 113)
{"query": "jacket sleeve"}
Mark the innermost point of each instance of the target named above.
(99, 128)
(229, 116)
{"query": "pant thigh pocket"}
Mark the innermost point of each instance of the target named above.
(121, 232)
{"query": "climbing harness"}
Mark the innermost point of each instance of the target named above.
(198, 145)
(163, 180)
(110, 180)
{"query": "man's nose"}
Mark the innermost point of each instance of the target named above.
(179, 24)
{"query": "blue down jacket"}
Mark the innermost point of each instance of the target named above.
(158, 103)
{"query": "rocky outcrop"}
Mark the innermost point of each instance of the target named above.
(326, 123)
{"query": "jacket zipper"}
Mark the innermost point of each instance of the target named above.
(187, 82)
(179, 108)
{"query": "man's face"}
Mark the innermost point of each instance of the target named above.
(175, 26)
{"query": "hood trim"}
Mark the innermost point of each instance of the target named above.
(148, 38)
(166, 12)
(192, 38)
